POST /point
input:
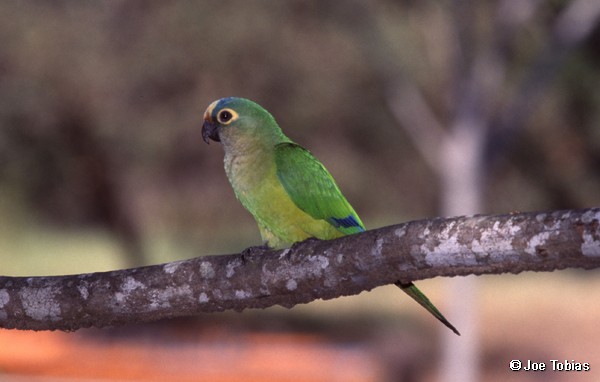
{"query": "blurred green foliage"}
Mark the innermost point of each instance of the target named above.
(101, 105)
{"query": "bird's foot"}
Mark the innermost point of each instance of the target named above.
(254, 250)
(305, 241)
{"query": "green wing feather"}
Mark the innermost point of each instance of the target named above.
(312, 188)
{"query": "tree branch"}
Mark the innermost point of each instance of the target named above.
(308, 271)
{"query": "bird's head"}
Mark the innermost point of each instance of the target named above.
(232, 119)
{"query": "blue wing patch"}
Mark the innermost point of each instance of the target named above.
(347, 222)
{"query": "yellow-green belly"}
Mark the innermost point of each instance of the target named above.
(280, 221)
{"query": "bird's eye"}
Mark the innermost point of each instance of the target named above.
(225, 116)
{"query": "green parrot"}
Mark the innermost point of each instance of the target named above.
(287, 190)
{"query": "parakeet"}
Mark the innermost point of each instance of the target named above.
(287, 190)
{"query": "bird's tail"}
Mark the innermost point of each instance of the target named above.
(414, 292)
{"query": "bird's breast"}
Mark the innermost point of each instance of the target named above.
(256, 185)
(247, 171)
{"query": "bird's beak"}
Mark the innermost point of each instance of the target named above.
(210, 131)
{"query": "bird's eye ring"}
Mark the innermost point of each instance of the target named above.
(226, 116)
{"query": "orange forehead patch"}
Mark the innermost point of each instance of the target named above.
(209, 110)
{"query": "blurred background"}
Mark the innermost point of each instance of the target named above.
(418, 109)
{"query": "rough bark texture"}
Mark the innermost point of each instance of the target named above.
(308, 271)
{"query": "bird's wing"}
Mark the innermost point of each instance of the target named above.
(312, 188)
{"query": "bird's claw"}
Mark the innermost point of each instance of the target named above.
(254, 250)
